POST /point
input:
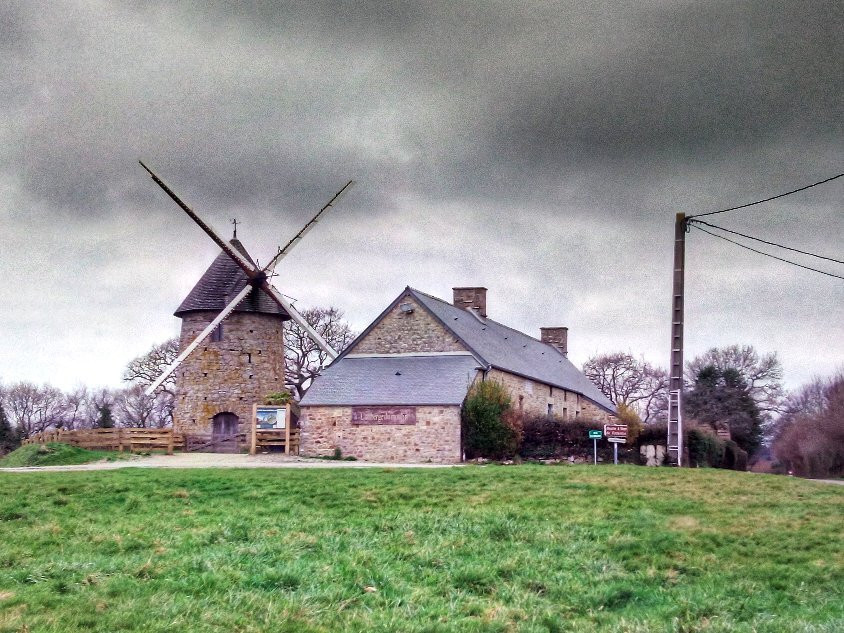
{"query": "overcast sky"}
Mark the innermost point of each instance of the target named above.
(538, 149)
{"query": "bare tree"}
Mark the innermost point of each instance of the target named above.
(624, 380)
(303, 359)
(76, 410)
(145, 369)
(34, 409)
(134, 408)
(809, 438)
(157, 410)
(763, 374)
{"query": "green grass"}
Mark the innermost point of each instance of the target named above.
(55, 454)
(528, 548)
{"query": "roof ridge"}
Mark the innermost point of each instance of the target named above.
(486, 318)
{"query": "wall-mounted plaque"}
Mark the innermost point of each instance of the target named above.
(383, 415)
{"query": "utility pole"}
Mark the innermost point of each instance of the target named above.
(675, 385)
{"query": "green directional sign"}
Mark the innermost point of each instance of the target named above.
(595, 435)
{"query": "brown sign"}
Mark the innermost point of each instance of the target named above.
(383, 415)
(615, 430)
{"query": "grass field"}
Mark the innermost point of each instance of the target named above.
(55, 454)
(526, 548)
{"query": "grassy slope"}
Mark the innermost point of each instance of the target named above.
(54, 454)
(476, 549)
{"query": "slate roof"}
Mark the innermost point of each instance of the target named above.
(507, 349)
(394, 380)
(219, 285)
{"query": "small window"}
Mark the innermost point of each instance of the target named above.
(550, 409)
(217, 334)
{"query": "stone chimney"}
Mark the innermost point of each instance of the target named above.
(556, 336)
(474, 298)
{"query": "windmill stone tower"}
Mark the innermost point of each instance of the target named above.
(240, 363)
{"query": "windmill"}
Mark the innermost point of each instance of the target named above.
(255, 284)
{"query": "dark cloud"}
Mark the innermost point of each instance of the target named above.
(539, 148)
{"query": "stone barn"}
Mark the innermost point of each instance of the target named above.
(395, 393)
(239, 364)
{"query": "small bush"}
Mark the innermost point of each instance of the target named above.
(490, 429)
(705, 449)
(734, 457)
(653, 434)
(278, 398)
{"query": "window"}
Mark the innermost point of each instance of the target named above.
(217, 334)
(550, 409)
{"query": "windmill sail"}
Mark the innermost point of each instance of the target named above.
(256, 280)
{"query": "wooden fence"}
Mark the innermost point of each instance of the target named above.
(274, 439)
(125, 439)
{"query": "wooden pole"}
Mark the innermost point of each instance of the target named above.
(288, 420)
(253, 439)
(675, 386)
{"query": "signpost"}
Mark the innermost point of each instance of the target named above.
(595, 435)
(617, 434)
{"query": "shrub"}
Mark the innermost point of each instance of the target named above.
(278, 398)
(626, 415)
(490, 428)
(653, 434)
(547, 437)
(705, 449)
(735, 458)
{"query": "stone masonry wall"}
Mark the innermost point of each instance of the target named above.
(229, 375)
(592, 411)
(434, 438)
(536, 396)
(399, 332)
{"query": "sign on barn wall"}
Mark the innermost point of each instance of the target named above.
(383, 415)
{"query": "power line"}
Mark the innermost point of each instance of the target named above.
(756, 239)
(787, 261)
(782, 195)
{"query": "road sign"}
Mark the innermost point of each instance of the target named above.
(617, 440)
(595, 435)
(615, 430)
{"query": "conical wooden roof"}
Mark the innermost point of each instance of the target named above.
(221, 283)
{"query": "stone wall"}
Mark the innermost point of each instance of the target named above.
(434, 438)
(592, 411)
(229, 375)
(532, 398)
(400, 332)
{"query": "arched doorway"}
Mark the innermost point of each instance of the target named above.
(224, 424)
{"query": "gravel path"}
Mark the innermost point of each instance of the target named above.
(220, 460)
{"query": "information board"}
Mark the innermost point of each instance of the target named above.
(271, 417)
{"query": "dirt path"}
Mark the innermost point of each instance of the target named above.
(219, 460)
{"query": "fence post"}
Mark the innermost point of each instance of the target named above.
(253, 425)
(170, 442)
(288, 421)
